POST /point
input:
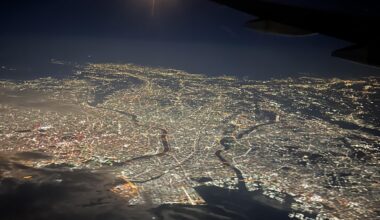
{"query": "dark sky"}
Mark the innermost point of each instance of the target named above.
(172, 20)
(195, 35)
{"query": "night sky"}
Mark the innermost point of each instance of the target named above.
(198, 36)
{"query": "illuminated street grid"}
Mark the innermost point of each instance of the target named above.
(166, 131)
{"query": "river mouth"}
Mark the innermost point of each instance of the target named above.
(65, 193)
(227, 204)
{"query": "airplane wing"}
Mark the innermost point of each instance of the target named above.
(352, 25)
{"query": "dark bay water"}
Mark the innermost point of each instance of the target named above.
(63, 193)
